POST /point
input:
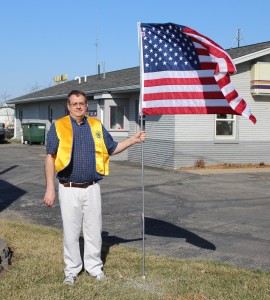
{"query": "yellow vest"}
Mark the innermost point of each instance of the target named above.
(65, 135)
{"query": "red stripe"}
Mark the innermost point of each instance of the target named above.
(241, 106)
(208, 65)
(231, 96)
(187, 110)
(224, 81)
(179, 81)
(203, 52)
(183, 95)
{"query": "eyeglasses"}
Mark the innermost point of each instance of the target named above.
(77, 104)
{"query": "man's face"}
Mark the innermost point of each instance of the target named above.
(77, 106)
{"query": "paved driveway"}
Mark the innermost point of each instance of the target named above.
(222, 217)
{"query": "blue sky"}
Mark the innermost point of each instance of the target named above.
(42, 39)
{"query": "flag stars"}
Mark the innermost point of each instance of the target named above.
(164, 50)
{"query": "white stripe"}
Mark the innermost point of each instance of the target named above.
(199, 46)
(219, 76)
(206, 58)
(227, 89)
(179, 74)
(181, 88)
(235, 102)
(223, 67)
(186, 103)
(246, 112)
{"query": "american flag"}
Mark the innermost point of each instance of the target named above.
(184, 72)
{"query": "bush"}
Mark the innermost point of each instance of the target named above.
(199, 164)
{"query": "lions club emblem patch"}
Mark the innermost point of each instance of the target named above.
(98, 134)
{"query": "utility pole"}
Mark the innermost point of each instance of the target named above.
(238, 38)
(97, 43)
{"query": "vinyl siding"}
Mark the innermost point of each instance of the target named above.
(187, 153)
(259, 106)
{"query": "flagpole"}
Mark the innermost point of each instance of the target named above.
(142, 150)
(143, 206)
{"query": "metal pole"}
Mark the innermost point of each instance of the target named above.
(143, 219)
(142, 151)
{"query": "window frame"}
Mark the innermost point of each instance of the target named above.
(123, 116)
(227, 138)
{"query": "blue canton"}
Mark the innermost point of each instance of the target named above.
(166, 47)
(82, 167)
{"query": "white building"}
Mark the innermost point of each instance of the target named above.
(173, 141)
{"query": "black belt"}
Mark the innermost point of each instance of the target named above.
(77, 185)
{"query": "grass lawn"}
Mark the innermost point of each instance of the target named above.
(36, 273)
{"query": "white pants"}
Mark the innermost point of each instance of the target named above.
(81, 208)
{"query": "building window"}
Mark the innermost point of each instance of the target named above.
(50, 114)
(117, 117)
(20, 115)
(102, 114)
(225, 126)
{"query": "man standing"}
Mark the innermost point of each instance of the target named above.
(78, 150)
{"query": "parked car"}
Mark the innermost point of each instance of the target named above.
(2, 131)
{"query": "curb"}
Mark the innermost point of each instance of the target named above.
(228, 171)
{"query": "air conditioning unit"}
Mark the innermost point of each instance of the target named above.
(260, 79)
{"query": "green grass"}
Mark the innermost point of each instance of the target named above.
(36, 273)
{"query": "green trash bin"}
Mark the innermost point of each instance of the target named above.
(26, 136)
(34, 133)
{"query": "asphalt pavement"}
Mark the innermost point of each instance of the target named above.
(214, 215)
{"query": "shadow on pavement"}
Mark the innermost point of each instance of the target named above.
(156, 227)
(161, 228)
(8, 192)
(8, 169)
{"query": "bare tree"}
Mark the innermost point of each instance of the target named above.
(32, 88)
(3, 98)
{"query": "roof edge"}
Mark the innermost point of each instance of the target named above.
(88, 93)
(250, 56)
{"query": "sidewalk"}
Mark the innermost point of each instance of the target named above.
(230, 171)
